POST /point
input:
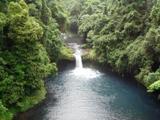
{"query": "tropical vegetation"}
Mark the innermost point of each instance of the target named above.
(30, 46)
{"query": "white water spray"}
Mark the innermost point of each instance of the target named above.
(79, 71)
(78, 57)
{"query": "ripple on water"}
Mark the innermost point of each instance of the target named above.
(87, 94)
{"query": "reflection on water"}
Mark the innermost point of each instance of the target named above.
(87, 94)
(77, 101)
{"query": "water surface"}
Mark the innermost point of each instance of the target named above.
(88, 94)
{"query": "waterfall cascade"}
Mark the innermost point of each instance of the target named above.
(79, 70)
(78, 57)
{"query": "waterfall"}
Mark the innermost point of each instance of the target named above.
(78, 58)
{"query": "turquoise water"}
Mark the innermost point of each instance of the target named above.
(87, 94)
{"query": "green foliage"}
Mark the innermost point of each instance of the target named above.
(124, 34)
(152, 44)
(46, 13)
(20, 63)
(143, 74)
(59, 13)
(30, 31)
(4, 113)
(29, 101)
(3, 20)
(66, 54)
(88, 22)
(155, 14)
(89, 55)
(30, 45)
(154, 87)
(52, 40)
(52, 17)
(74, 8)
(152, 77)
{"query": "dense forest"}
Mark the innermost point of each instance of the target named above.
(30, 46)
(123, 34)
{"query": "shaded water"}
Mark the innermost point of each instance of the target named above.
(88, 94)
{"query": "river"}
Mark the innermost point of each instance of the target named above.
(85, 93)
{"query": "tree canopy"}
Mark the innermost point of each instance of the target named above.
(125, 35)
(30, 46)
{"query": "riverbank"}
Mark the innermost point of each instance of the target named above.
(74, 94)
(26, 104)
(30, 103)
(30, 46)
(90, 56)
